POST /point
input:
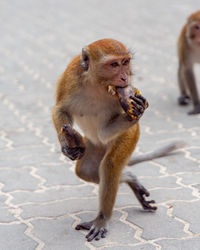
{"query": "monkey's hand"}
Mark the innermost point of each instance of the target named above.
(97, 228)
(133, 103)
(73, 145)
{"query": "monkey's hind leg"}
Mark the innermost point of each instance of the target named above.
(184, 98)
(139, 190)
(87, 168)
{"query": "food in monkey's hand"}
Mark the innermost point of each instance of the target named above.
(131, 100)
(75, 146)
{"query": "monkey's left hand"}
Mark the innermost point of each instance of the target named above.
(133, 103)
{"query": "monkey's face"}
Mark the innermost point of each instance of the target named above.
(114, 71)
(194, 32)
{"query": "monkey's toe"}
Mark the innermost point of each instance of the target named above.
(184, 100)
(84, 225)
(147, 205)
(144, 191)
(140, 192)
(96, 233)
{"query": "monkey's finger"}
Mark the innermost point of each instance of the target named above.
(137, 100)
(137, 106)
(146, 104)
(72, 153)
(65, 151)
(133, 114)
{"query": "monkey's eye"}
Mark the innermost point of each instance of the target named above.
(114, 64)
(126, 62)
(197, 27)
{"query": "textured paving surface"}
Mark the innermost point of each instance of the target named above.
(41, 200)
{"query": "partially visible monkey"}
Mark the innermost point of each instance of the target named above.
(111, 131)
(188, 55)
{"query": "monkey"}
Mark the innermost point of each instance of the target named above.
(188, 55)
(109, 123)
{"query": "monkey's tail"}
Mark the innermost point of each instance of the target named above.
(163, 151)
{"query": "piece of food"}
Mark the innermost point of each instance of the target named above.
(124, 94)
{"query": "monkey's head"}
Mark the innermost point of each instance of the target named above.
(108, 62)
(193, 28)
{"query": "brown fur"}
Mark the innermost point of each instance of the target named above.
(110, 137)
(188, 55)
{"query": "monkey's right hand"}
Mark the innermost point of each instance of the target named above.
(73, 145)
(133, 103)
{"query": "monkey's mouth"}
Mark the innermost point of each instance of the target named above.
(113, 89)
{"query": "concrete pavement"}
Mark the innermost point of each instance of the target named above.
(41, 199)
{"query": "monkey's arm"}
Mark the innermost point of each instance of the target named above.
(71, 141)
(109, 130)
(134, 107)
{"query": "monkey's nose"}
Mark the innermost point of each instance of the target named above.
(123, 79)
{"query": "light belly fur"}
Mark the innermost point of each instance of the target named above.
(89, 126)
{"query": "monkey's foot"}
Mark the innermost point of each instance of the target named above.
(195, 111)
(184, 100)
(95, 232)
(140, 193)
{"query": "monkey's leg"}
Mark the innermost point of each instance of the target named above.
(109, 173)
(184, 99)
(88, 169)
(191, 84)
(139, 190)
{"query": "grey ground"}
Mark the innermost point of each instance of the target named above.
(41, 199)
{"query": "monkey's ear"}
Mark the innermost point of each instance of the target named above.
(85, 59)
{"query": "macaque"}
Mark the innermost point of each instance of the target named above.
(188, 55)
(95, 92)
